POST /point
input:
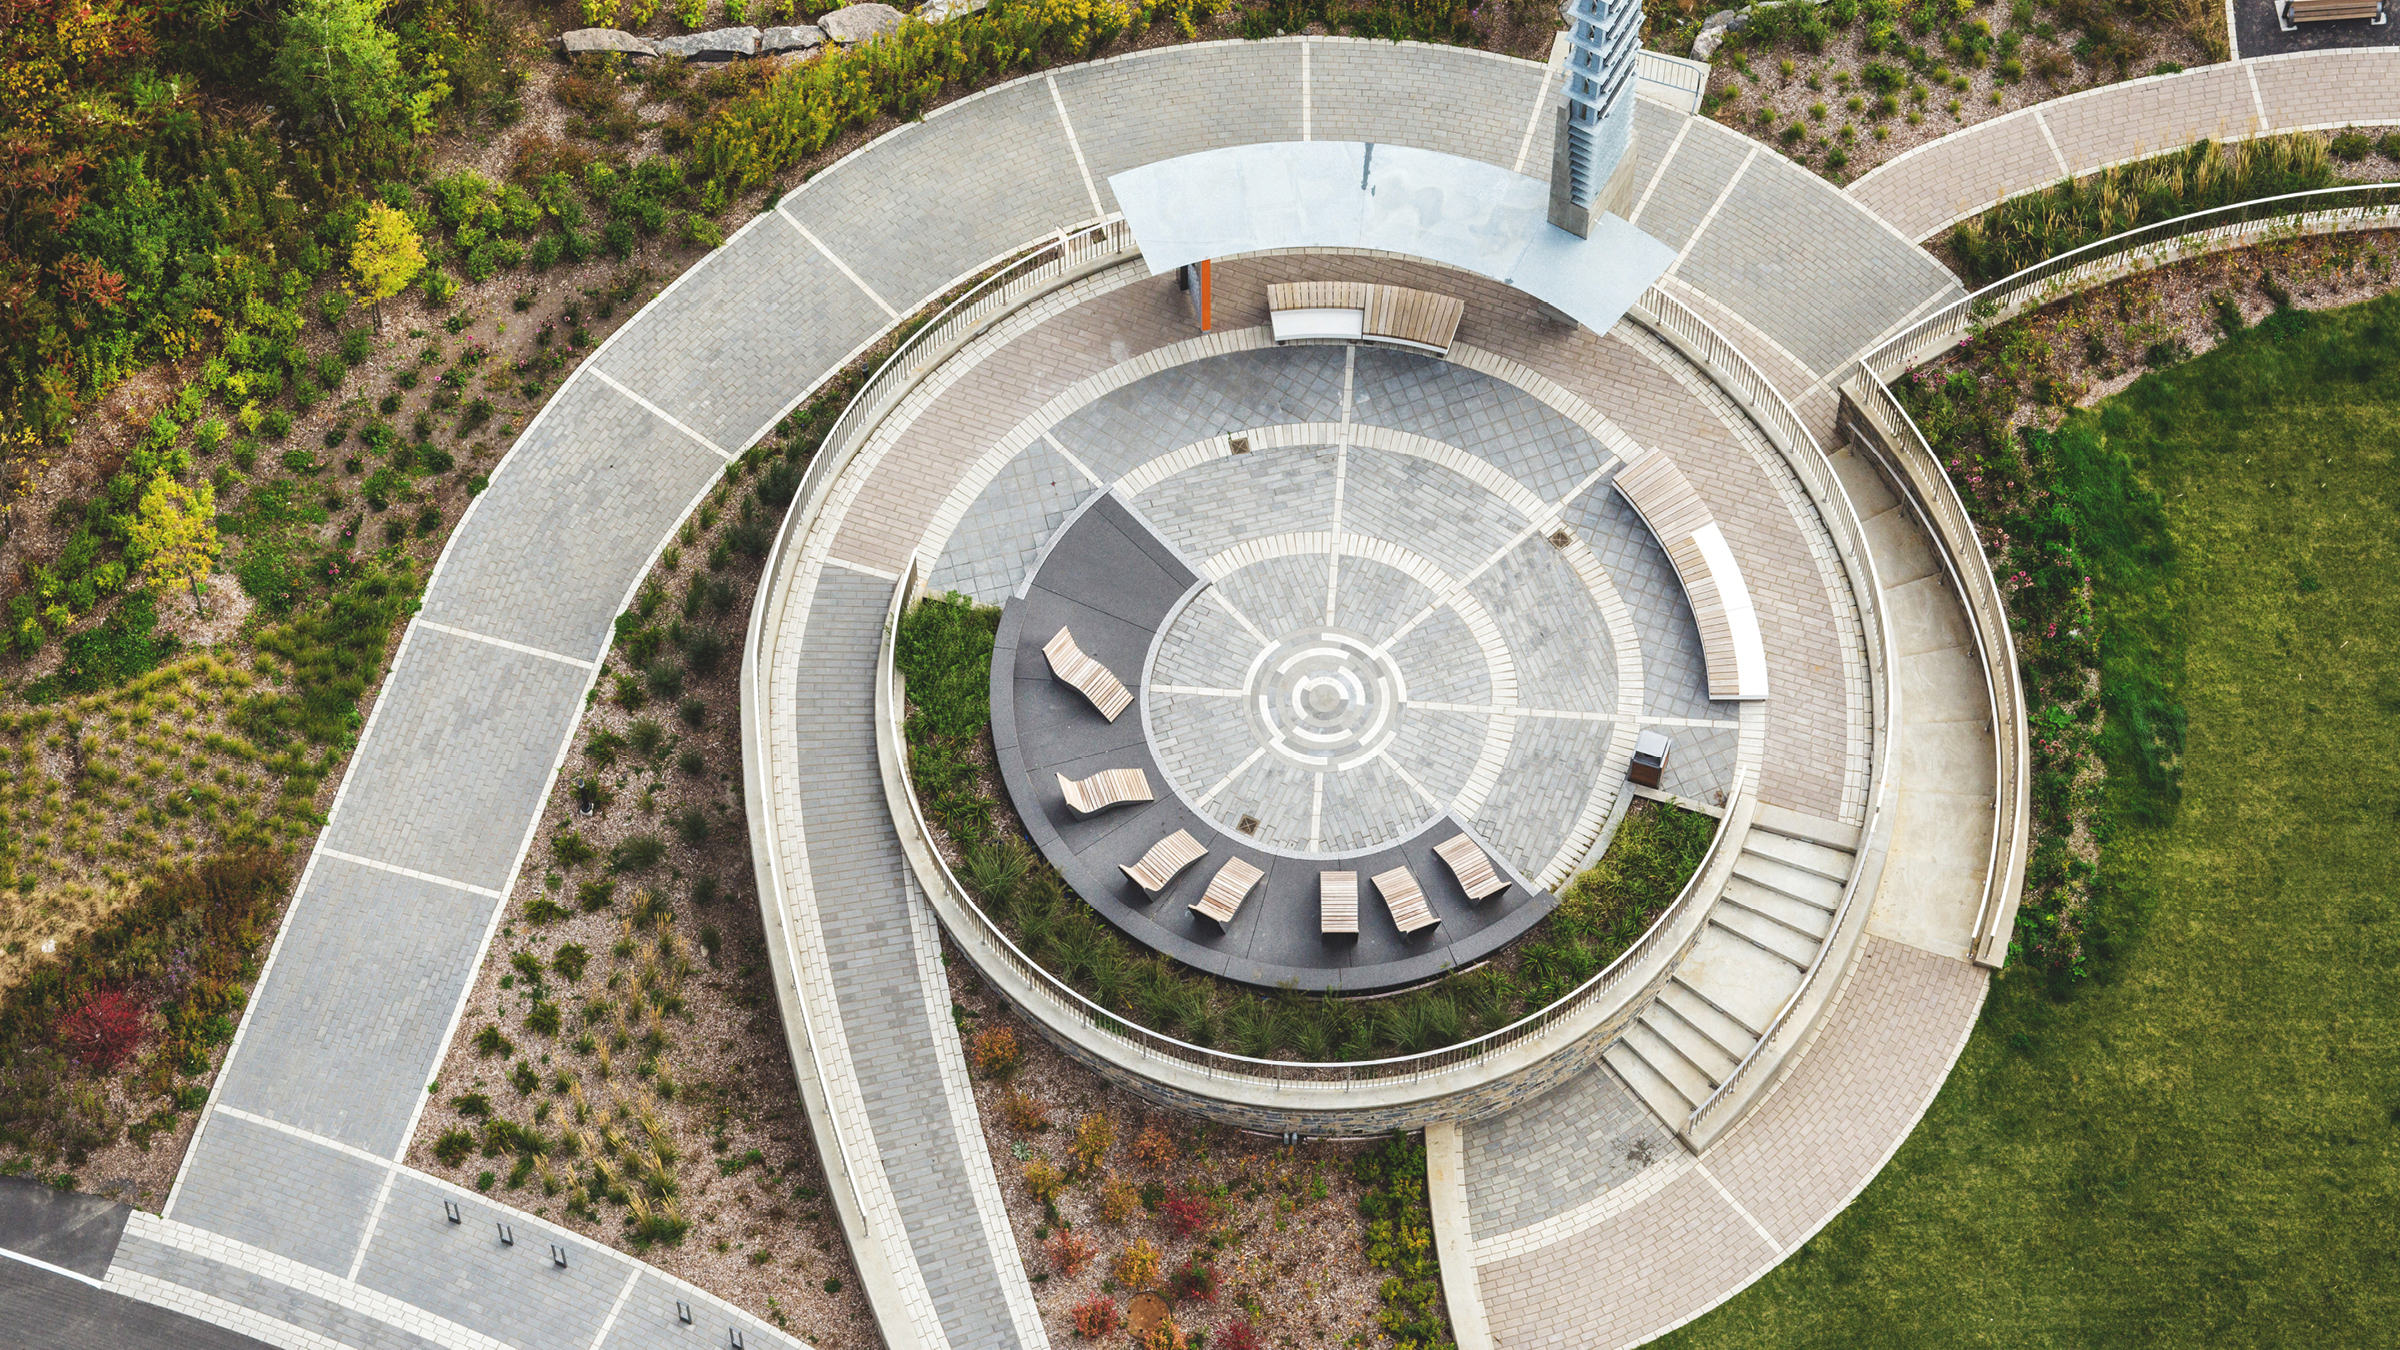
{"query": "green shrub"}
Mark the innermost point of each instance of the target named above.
(454, 1146)
(570, 960)
(107, 656)
(491, 1041)
(638, 853)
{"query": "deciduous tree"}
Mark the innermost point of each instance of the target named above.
(175, 529)
(386, 257)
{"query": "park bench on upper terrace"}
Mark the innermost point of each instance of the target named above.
(1356, 311)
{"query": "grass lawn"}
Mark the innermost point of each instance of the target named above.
(2203, 1147)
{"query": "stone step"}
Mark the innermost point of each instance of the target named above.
(1698, 1048)
(1774, 875)
(1870, 495)
(1768, 937)
(1833, 864)
(1804, 921)
(1661, 1096)
(1691, 1086)
(1748, 983)
(1690, 998)
(1783, 820)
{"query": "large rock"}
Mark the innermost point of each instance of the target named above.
(592, 40)
(777, 41)
(857, 23)
(721, 44)
(935, 11)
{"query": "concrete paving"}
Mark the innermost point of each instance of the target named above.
(1940, 183)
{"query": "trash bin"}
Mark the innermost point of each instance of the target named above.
(1650, 750)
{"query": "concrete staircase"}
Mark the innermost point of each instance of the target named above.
(1761, 936)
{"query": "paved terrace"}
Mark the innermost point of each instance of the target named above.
(1938, 184)
(296, 1219)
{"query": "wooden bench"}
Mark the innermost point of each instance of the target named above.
(1092, 679)
(1306, 312)
(2293, 13)
(1227, 889)
(1166, 858)
(1337, 902)
(1712, 580)
(1107, 788)
(1475, 873)
(1407, 903)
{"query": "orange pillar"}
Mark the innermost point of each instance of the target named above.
(1206, 318)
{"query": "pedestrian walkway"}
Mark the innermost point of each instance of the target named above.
(1940, 183)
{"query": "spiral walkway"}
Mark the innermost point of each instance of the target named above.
(296, 1221)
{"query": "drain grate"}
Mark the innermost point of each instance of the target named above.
(1241, 445)
(1561, 539)
(1249, 825)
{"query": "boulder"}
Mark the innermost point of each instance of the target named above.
(777, 41)
(935, 11)
(588, 40)
(857, 23)
(1713, 30)
(719, 44)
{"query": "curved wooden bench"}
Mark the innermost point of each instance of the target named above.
(1107, 788)
(1357, 311)
(1712, 580)
(1095, 681)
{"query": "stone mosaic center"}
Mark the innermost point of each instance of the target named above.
(1325, 699)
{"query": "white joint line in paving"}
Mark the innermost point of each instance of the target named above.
(506, 645)
(1076, 460)
(1316, 814)
(411, 873)
(1598, 805)
(1619, 1199)
(1739, 1208)
(1256, 753)
(1067, 125)
(1714, 207)
(838, 265)
(297, 1276)
(880, 574)
(958, 1096)
(218, 1312)
(2259, 104)
(1307, 112)
(366, 1237)
(1341, 473)
(609, 1323)
(1657, 175)
(1551, 70)
(1201, 691)
(661, 414)
(39, 1264)
(2064, 168)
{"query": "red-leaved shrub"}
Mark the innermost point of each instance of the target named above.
(1186, 1214)
(104, 1030)
(1070, 1253)
(1095, 1317)
(1241, 1336)
(1193, 1282)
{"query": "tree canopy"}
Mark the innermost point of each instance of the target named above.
(175, 531)
(333, 60)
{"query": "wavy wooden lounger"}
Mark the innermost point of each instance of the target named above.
(1228, 889)
(1092, 679)
(1166, 857)
(1474, 871)
(1337, 902)
(1107, 788)
(1407, 903)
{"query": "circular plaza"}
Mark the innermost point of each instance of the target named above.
(1366, 602)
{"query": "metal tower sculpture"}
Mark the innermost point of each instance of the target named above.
(1591, 166)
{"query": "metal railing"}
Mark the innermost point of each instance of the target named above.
(1733, 372)
(1070, 1003)
(2337, 210)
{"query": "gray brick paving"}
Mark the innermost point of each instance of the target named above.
(1352, 95)
(746, 330)
(1562, 1149)
(460, 755)
(297, 1308)
(362, 989)
(1445, 663)
(1674, 671)
(1552, 765)
(977, 179)
(554, 544)
(1003, 530)
(276, 1192)
(1787, 250)
(46, 1311)
(1702, 763)
(1250, 91)
(1521, 435)
(1694, 178)
(855, 866)
(1374, 599)
(1553, 629)
(1279, 594)
(1427, 509)
(1208, 509)
(1129, 427)
(462, 1271)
